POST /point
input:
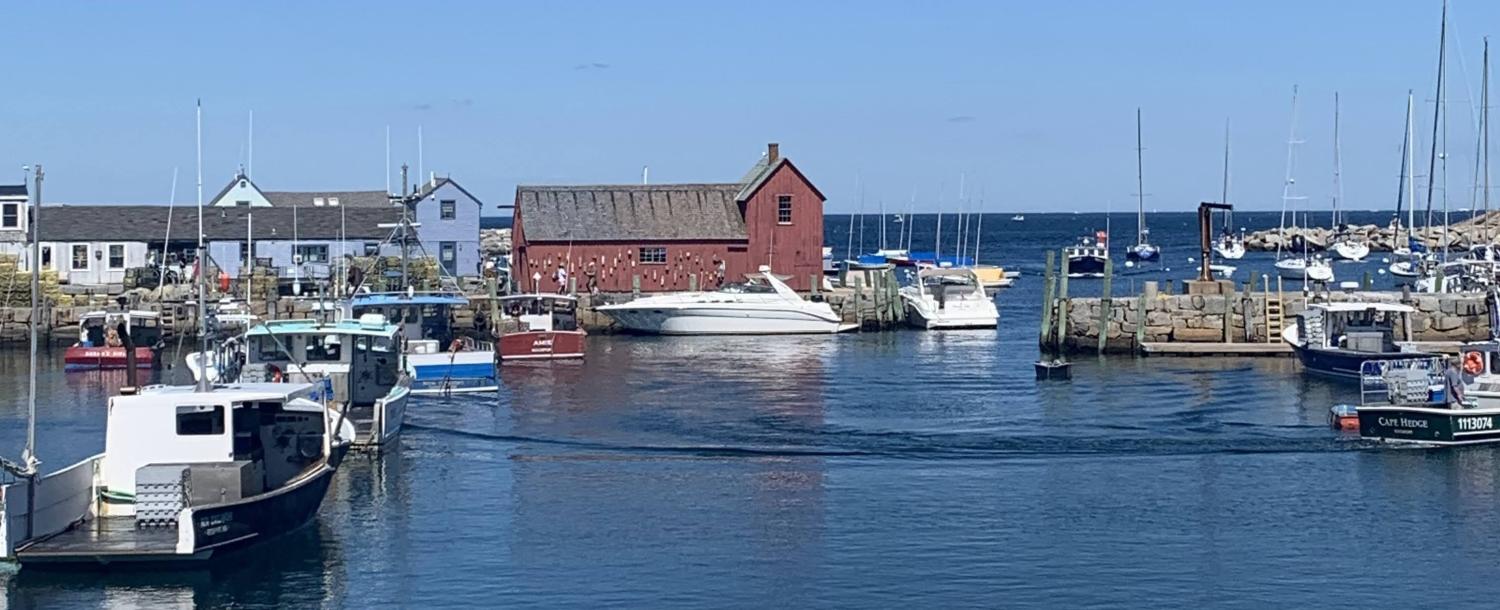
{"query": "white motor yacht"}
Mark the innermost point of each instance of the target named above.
(949, 299)
(765, 306)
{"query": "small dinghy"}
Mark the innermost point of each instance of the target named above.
(1343, 417)
(1053, 369)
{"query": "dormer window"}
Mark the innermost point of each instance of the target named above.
(244, 183)
(333, 201)
(317, 202)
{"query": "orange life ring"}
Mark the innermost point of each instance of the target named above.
(1473, 363)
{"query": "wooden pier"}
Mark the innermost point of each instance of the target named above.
(1161, 348)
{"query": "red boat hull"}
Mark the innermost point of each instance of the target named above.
(79, 357)
(541, 345)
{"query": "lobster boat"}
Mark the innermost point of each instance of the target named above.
(439, 360)
(540, 327)
(100, 345)
(1409, 401)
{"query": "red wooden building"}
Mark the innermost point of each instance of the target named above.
(673, 237)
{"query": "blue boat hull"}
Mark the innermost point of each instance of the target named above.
(1344, 364)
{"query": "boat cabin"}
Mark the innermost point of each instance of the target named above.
(361, 359)
(101, 328)
(943, 285)
(1359, 327)
(421, 316)
(168, 448)
(542, 312)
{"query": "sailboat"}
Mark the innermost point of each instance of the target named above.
(1142, 251)
(1410, 267)
(1229, 246)
(1345, 245)
(1433, 276)
(1305, 266)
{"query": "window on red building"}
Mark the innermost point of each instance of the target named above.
(653, 256)
(784, 209)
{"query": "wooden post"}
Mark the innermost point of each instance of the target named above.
(693, 283)
(877, 287)
(1228, 316)
(1168, 290)
(1140, 323)
(1062, 304)
(1047, 304)
(635, 286)
(1104, 304)
(859, 311)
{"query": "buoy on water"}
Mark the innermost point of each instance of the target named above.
(1343, 417)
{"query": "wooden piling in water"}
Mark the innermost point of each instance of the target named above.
(1062, 301)
(1104, 303)
(1047, 305)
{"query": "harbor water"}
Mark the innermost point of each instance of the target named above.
(861, 470)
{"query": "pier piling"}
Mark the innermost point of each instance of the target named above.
(1062, 302)
(1105, 300)
(1047, 304)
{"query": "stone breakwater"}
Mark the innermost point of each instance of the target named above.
(1461, 235)
(1201, 318)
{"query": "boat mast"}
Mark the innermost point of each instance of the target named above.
(203, 384)
(1140, 188)
(1411, 170)
(848, 250)
(979, 229)
(1484, 123)
(909, 223)
(1401, 182)
(1289, 182)
(28, 457)
(1437, 110)
(1224, 195)
(1338, 167)
(962, 218)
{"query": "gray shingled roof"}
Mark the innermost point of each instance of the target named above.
(149, 222)
(12, 190)
(357, 199)
(667, 212)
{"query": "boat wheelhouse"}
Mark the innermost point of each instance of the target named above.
(101, 346)
(540, 327)
(1337, 339)
(439, 360)
(185, 476)
(358, 361)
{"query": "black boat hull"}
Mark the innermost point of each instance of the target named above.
(1086, 266)
(1430, 425)
(1344, 364)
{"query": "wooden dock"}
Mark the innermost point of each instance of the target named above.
(1275, 349)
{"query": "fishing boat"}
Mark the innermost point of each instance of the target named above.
(943, 299)
(763, 306)
(1018, 218)
(100, 345)
(1411, 401)
(540, 327)
(1142, 251)
(1087, 258)
(439, 360)
(1337, 339)
(187, 474)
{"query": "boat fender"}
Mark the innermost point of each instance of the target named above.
(1473, 363)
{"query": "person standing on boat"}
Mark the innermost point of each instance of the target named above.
(1453, 379)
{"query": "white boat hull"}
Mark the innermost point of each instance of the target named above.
(1231, 251)
(725, 320)
(1298, 269)
(1351, 250)
(919, 318)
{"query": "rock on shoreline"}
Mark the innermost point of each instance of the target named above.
(1461, 235)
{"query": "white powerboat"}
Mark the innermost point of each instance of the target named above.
(766, 306)
(1312, 268)
(949, 299)
(1230, 246)
(1222, 272)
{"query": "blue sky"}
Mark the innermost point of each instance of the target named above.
(1034, 102)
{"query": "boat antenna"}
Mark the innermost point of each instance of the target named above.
(203, 384)
(1338, 167)
(29, 460)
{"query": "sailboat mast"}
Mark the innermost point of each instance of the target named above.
(979, 230)
(1411, 169)
(1437, 110)
(1224, 195)
(203, 385)
(849, 248)
(882, 224)
(1484, 123)
(1338, 168)
(1288, 182)
(1140, 188)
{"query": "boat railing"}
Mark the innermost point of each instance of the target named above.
(1402, 381)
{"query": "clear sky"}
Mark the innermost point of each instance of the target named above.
(1033, 101)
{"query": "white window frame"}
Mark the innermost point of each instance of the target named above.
(789, 207)
(7, 206)
(653, 249)
(73, 257)
(109, 263)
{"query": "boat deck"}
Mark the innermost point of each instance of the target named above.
(103, 540)
(1276, 349)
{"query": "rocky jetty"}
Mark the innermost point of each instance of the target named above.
(1461, 235)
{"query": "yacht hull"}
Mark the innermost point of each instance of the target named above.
(723, 321)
